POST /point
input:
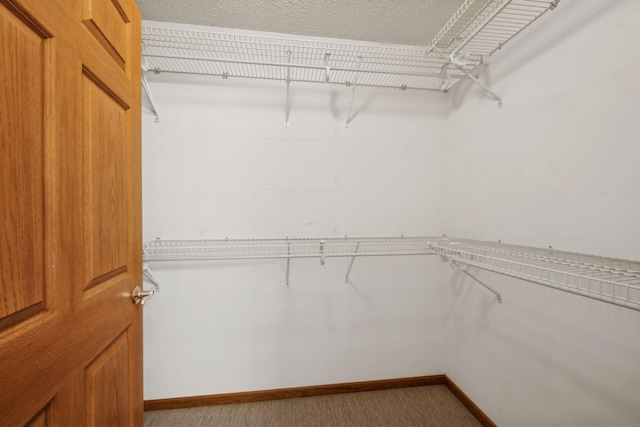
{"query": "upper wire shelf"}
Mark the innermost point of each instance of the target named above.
(611, 280)
(289, 59)
(478, 28)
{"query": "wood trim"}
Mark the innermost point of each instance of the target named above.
(319, 390)
(288, 393)
(468, 403)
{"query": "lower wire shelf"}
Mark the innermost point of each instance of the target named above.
(231, 249)
(611, 280)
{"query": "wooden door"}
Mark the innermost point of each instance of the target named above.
(70, 214)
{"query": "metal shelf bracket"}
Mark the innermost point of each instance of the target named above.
(146, 274)
(463, 269)
(147, 90)
(353, 258)
(327, 68)
(454, 62)
(353, 92)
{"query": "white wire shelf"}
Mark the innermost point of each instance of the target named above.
(233, 249)
(611, 280)
(288, 59)
(478, 28)
(486, 26)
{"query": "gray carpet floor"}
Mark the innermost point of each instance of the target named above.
(404, 407)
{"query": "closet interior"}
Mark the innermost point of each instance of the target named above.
(496, 157)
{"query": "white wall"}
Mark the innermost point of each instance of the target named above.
(220, 163)
(556, 165)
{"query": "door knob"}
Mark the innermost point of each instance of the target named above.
(139, 296)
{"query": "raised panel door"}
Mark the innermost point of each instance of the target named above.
(70, 243)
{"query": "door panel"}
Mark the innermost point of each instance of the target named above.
(22, 287)
(105, 162)
(108, 399)
(70, 242)
(107, 21)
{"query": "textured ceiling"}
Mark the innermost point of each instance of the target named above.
(412, 22)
